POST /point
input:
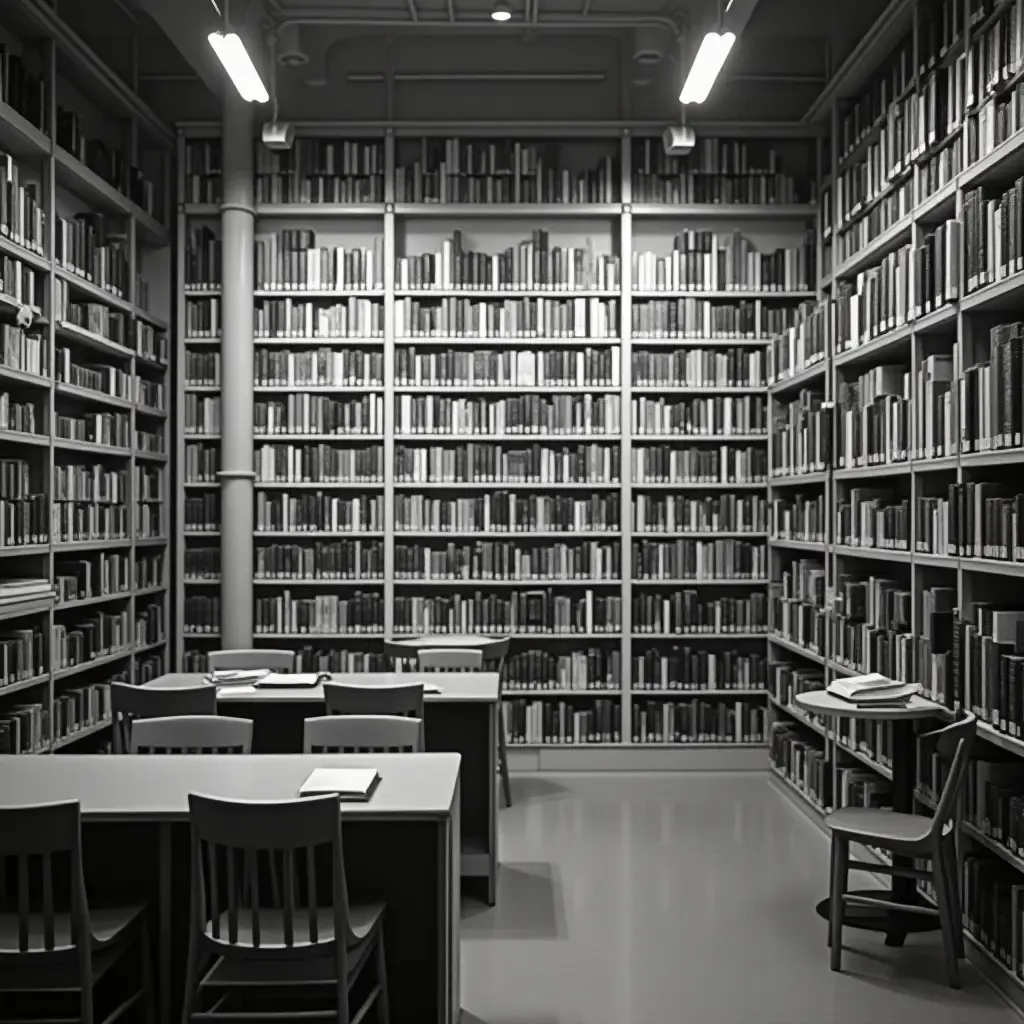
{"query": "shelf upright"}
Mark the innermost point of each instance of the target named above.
(626, 443)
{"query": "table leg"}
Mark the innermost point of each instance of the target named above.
(165, 941)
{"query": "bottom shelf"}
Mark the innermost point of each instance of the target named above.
(641, 757)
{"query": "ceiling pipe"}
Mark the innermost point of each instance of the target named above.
(372, 19)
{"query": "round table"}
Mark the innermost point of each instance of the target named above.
(894, 923)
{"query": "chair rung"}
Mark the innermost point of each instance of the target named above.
(123, 1007)
(368, 1002)
(266, 1015)
(889, 869)
(870, 901)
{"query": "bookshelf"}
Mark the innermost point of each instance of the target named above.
(84, 389)
(911, 352)
(551, 395)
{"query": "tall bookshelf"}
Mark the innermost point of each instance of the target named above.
(918, 278)
(527, 357)
(83, 374)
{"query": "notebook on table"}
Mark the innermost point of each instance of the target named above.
(352, 784)
(873, 690)
(292, 680)
(237, 677)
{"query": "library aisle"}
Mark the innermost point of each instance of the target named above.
(655, 898)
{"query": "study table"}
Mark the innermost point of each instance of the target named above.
(462, 718)
(400, 847)
(894, 923)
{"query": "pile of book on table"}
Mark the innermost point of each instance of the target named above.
(873, 691)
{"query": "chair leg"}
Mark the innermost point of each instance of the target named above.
(837, 902)
(506, 786)
(191, 981)
(831, 888)
(949, 943)
(383, 1003)
(148, 993)
(953, 886)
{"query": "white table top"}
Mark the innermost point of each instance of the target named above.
(155, 787)
(456, 687)
(820, 702)
(445, 640)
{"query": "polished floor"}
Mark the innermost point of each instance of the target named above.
(655, 899)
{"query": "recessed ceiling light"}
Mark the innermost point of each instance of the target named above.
(501, 13)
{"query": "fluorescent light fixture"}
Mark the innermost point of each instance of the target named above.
(501, 13)
(708, 62)
(237, 63)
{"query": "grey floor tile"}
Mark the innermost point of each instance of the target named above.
(653, 899)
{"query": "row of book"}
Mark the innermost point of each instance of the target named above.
(686, 611)
(675, 560)
(318, 367)
(353, 317)
(873, 518)
(320, 171)
(695, 668)
(291, 260)
(799, 518)
(21, 282)
(588, 670)
(564, 367)
(325, 614)
(506, 318)
(698, 367)
(316, 414)
(317, 463)
(321, 560)
(512, 512)
(531, 611)
(547, 722)
(805, 343)
(96, 636)
(106, 380)
(707, 261)
(721, 415)
(28, 729)
(528, 266)
(519, 462)
(491, 560)
(698, 721)
(728, 463)
(521, 414)
(801, 435)
(283, 512)
(674, 513)
(457, 171)
(112, 429)
(25, 351)
(22, 417)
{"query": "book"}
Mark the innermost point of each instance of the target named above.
(872, 689)
(291, 680)
(348, 784)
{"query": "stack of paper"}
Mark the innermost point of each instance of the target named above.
(237, 677)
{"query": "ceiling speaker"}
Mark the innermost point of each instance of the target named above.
(649, 42)
(290, 52)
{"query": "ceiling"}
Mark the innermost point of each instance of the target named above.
(420, 60)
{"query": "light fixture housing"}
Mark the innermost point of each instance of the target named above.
(231, 52)
(501, 13)
(714, 48)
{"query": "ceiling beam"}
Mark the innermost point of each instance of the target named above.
(187, 23)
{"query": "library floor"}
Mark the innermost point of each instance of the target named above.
(655, 899)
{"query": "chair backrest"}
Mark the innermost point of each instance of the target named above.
(495, 650)
(399, 651)
(454, 659)
(401, 699)
(953, 744)
(250, 658)
(43, 888)
(130, 703)
(358, 734)
(192, 734)
(282, 857)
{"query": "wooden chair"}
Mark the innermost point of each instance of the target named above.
(192, 734)
(51, 941)
(250, 658)
(358, 734)
(130, 703)
(908, 835)
(405, 699)
(309, 942)
(444, 659)
(399, 652)
(496, 652)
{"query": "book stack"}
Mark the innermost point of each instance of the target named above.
(507, 512)
(587, 669)
(873, 424)
(726, 464)
(479, 561)
(676, 560)
(799, 518)
(547, 722)
(340, 171)
(801, 436)
(798, 605)
(292, 261)
(203, 172)
(873, 518)
(327, 614)
(673, 513)
(688, 611)
(803, 345)
(318, 512)
(799, 758)
(518, 462)
(202, 258)
(321, 560)
(873, 627)
(697, 721)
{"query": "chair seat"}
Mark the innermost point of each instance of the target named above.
(363, 919)
(880, 827)
(108, 925)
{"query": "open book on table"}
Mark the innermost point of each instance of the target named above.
(873, 689)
